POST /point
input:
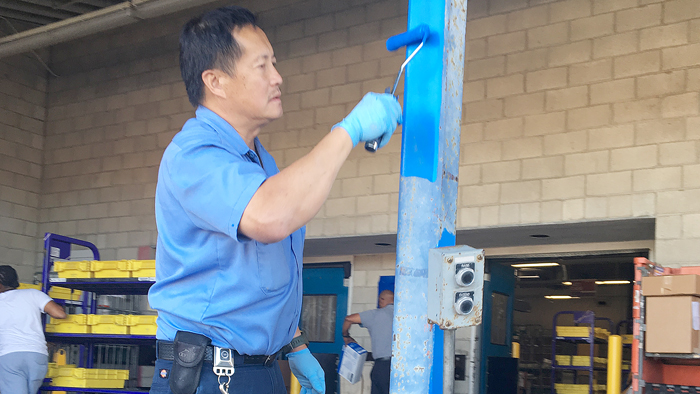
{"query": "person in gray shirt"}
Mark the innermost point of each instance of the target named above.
(379, 323)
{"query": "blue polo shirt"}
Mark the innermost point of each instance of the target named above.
(243, 294)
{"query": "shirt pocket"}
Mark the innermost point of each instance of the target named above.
(273, 265)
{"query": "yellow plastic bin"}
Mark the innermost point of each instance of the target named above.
(142, 324)
(108, 324)
(109, 269)
(142, 268)
(72, 269)
(72, 324)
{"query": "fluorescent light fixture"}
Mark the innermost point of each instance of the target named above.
(534, 265)
(529, 277)
(612, 282)
(567, 283)
(561, 297)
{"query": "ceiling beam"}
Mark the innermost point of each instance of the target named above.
(78, 7)
(24, 17)
(26, 7)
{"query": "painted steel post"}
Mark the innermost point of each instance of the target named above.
(428, 187)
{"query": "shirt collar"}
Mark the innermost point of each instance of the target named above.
(228, 134)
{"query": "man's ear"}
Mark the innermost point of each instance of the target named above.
(214, 81)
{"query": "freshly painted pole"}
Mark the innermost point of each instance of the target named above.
(428, 187)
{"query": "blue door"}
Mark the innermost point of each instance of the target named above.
(324, 308)
(496, 335)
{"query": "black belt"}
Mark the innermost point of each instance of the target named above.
(164, 351)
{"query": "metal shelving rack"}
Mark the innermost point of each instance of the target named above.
(59, 247)
(586, 318)
(659, 372)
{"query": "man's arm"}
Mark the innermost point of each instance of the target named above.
(349, 321)
(287, 201)
(54, 310)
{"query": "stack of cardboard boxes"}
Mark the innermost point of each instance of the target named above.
(672, 313)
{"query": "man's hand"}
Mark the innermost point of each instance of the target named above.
(348, 339)
(376, 115)
(308, 371)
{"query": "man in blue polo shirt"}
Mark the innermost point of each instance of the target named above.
(231, 225)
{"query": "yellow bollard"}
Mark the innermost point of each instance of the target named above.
(516, 350)
(614, 364)
(294, 385)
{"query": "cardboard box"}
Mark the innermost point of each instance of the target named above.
(668, 285)
(673, 324)
(351, 362)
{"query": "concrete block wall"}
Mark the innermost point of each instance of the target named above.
(583, 110)
(22, 118)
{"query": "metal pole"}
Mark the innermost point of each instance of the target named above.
(428, 186)
(448, 376)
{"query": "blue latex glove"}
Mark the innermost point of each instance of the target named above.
(308, 371)
(376, 115)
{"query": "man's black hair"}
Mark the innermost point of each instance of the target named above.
(206, 42)
(8, 276)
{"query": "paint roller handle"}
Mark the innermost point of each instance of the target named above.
(417, 34)
(373, 145)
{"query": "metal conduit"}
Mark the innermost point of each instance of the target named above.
(80, 26)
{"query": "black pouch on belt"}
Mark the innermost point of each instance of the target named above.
(188, 355)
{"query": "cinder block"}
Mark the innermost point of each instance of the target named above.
(522, 148)
(570, 9)
(633, 158)
(365, 33)
(546, 79)
(344, 56)
(474, 91)
(315, 62)
(488, 216)
(373, 204)
(619, 206)
(587, 163)
(340, 207)
(686, 104)
(316, 25)
(527, 18)
(605, 6)
(350, 17)
(523, 191)
(548, 123)
(695, 30)
(548, 36)
(678, 201)
(483, 110)
(563, 143)
(595, 207)
(470, 175)
(657, 179)
(486, 27)
(692, 125)
(475, 49)
(290, 31)
(563, 188)
(663, 36)
(661, 84)
(613, 91)
(591, 27)
(526, 61)
(611, 137)
(691, 176)
(679, 10)
(551, 211)
(525, 104)
(637, 110)
(680, 56)
(300, 83)
(349, 93)
(467, 217)
(505, 86)
(481, 152)
(315, 98)
(609, 184)
(636, 64)
(567, 98)
(331, 77)
(485, 68)
(676, 153)
(500, 6)
(506, 43)
(509, 214)
(644, 204)
(543, 168)
(589, 117)
(500, 171)
(638, 18)
(573, 209)
(615, 45)
(503, 129)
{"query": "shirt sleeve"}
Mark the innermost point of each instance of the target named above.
(367, 318)
(40, 299)
(213, 185)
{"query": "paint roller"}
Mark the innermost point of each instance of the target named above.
(420, 34)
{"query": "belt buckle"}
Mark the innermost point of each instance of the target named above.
(270, 359)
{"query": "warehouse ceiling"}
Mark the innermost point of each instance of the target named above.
(35, 13)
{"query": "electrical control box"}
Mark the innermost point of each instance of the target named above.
(455, 286)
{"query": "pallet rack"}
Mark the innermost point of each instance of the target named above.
(659, 372)
(586, 319)
(59, 247)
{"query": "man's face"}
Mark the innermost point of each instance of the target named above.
(253, 90)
